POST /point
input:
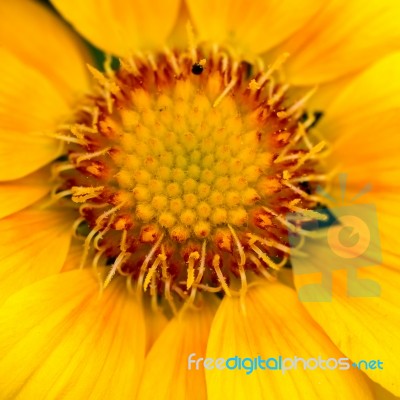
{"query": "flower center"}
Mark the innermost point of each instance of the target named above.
(184, 166)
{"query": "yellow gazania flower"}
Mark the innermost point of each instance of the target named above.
(176, 173)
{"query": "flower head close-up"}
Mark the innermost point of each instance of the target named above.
(198, 199)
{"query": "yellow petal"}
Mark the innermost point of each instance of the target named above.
(389, 224)
(74, 256)
(355, 299)
(275, 324)
(344, 37)
(250, 27)
(156, 321)
(382, 394)
(38, 38)
(166, 375)
(326, 93)
(374, 91)
(29, 106)
(121, 26)
(178, 38)
(33, 245)
(362, 124)
(28, 101)
(62, 339)
(16, 195)
(286, 277)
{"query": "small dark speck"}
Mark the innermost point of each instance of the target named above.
(248, 68)
(317, 117)
(305, 186)
(64, 157)
(197, 69)
(303, 117)
(111, 260)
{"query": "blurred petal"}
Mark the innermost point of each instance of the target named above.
(326, 93)
(365, 115)
(121, 26)
(29, 106)
(272, 323)
(166, 374)
(362, 124)
(250, 27)
(39, 39)
(33, 245)
(374, 91)
(343, 38)
(362, 317)
(16, 195)
(356, 302)
(61, 338)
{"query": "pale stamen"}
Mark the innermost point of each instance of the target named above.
(230, 86)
